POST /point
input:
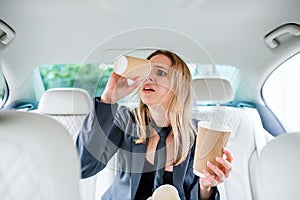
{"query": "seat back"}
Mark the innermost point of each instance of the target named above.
(242, 142)
(68, 106)
(38, 158)
(278, 168)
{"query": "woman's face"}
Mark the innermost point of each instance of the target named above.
(156, 88)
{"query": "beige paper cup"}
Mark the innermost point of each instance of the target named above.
(211, 139)
(132, 67)
(165, 192)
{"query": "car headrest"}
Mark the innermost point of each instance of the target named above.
(279, 158)
(65, 101)
(212, 90)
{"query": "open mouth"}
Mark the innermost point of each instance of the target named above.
(148, 89)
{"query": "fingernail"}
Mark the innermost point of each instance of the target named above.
(218, 159)
(209, 164)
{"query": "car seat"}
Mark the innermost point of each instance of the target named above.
(277, 173)
(212, 94)
(69, 106)
(38, 158)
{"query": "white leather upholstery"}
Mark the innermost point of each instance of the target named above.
(241, 144)
(68, 106)
(38, 159)
(278, 168)
(243, 140)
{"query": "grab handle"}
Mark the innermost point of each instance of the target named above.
(7, 34)
(271, 38)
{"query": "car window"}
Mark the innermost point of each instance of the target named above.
(93, 77)
(90, 77)
(281, 93)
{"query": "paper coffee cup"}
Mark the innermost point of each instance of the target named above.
(211, 140)
(132, 67)
(165, 192)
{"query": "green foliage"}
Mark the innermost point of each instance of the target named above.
(1, 93)
(2, 83)
(88, 76)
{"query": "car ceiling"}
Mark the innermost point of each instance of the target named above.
(75, 31)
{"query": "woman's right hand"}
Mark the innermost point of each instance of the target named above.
(117, 88)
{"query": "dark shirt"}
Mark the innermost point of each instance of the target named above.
(147, 180)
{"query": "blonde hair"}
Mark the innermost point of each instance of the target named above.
(179, 110)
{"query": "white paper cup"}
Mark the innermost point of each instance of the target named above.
(132, 67)
(211, 140)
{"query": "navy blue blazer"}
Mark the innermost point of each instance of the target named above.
(108, 130)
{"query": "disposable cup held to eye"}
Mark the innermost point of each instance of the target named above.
(132, 67)
(211, 140)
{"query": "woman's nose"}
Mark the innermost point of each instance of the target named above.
(150, 77)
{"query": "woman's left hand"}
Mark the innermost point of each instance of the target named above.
(221, 172)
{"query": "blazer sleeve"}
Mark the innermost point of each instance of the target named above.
(95, 144)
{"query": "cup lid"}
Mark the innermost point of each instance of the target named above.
(214, 126)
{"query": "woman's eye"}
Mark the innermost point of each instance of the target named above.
(161, 73)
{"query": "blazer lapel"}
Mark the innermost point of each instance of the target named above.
(179, 174)
(137, 160)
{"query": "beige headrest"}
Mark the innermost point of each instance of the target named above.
(213, 90)
(65, 101)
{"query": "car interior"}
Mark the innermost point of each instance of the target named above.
(56, 57)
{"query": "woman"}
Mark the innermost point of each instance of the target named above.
(165, 104)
